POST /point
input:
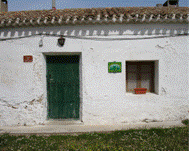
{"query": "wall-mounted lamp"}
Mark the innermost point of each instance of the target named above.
(61, 41)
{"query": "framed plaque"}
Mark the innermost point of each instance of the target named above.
(114, 67)
(28, 58)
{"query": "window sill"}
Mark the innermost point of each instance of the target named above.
(147, 94)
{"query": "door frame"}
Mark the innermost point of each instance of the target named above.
(80, 84)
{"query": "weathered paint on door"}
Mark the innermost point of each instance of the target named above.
(63, 87)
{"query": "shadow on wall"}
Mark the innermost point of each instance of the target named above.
(100, 30)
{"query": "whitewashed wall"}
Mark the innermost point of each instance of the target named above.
(23, 96)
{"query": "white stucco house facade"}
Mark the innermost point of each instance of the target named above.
(41, 81)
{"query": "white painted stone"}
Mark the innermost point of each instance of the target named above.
(23, 96)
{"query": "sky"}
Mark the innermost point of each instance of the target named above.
(21, 5)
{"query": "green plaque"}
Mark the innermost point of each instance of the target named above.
(114, 67)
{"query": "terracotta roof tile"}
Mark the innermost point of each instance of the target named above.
(87, 15)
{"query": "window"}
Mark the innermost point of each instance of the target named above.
(140, 74)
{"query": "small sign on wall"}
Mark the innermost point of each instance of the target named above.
(114, 67)
(28, 58)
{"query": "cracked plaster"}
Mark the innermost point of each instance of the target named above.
(104, 98)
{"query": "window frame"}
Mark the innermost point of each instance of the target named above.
(138, 74)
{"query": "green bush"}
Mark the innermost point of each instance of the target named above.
(186, 121)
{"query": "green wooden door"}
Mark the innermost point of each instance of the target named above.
(63, 87)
